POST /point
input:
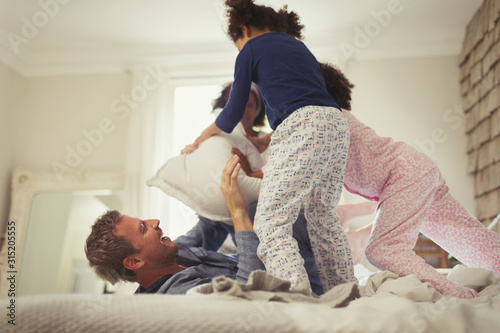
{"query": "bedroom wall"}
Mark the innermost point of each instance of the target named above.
(11, 107)
(69, 123)
(480, 89)
(416, 100)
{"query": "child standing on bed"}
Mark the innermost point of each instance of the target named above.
(308, 149)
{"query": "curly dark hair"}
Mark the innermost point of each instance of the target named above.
(221, 101)
(337, 85)
(246, 12)
(105, 251)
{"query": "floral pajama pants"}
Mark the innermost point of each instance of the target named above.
(428, 207)
(305, 169)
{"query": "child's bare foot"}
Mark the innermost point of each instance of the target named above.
(358, 240)
(349, 211)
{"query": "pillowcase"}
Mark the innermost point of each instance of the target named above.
(195, 178)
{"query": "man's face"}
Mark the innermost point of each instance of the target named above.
(155, 250)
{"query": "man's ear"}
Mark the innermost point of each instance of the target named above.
(132, 262)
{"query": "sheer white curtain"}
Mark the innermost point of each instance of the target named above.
(149, 140)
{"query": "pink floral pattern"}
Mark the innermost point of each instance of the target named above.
(413, 198)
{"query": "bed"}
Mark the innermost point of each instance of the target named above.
(382, 302)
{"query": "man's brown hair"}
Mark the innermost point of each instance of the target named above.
(105, 251)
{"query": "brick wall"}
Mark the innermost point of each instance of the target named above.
(480, 91)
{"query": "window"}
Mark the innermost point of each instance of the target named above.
(192, 114)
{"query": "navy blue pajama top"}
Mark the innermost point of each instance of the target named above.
(287, 74)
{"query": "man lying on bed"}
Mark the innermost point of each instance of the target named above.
(124, 248)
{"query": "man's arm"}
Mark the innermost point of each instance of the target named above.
(234, 198)
(246, 239)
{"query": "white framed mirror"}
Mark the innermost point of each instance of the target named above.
(51, 218)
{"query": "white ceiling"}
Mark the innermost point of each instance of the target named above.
(110, 35)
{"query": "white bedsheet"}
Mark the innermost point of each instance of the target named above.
(385, 303)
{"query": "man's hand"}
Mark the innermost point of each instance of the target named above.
(235, 201)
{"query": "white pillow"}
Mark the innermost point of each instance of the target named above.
(194, 178)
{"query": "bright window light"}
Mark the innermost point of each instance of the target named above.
(192, 114)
